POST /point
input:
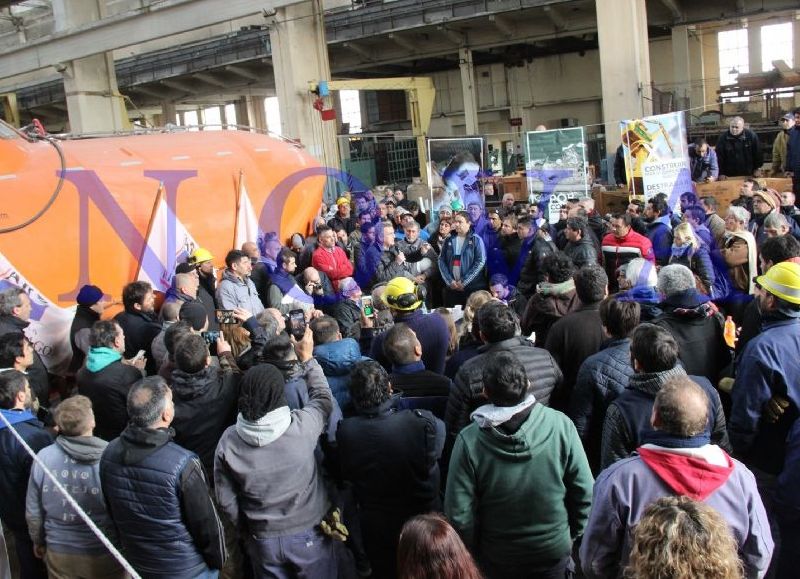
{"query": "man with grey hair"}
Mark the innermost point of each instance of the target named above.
(15, 316)
(675, 458)
(157, 492)
(739, 151)
(776, 224)
(694, 321)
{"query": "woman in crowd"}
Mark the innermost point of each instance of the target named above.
(431, 549)
(739, 249)
(462, 261)
(688, 250)
(683, 539)
(638, 281)
(468, 339)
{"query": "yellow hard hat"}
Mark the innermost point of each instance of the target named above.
(783, 281)
(342, 201)
(200, 255)
(402, 294)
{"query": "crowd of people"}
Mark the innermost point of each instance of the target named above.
(481, 394)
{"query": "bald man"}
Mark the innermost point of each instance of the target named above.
(676, 459)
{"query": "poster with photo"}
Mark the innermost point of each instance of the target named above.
(656, 155)
(556, 167)
(455, 169)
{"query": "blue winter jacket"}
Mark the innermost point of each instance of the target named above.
(793, 151)
(601, 378)
(473, 258)
(337, 360)
(768, 366)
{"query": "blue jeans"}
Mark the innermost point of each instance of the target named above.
(305, 555)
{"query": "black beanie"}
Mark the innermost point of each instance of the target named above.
(261, 390)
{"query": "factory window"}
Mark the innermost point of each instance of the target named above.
(273, 115)
(212, 119)
(351, 110)
(733, 60)
(776, 44)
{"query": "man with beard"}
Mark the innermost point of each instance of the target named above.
(138, 322)
(201, 259)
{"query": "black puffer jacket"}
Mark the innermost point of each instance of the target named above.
(206, 403)
(602, 377)
(467, 392)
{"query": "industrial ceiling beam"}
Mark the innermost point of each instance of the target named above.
(504, 26)
(453, 36)
(127, 29)
(677, 13)
(555, 17)
(210, 79)
(359, 50)
(403, 42)
(243, 72)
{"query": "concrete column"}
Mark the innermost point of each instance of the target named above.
(796, 63)
(624, 66)
(754, 46)
(681, 70)
(242, 116)
(300, 56)
(167, 114)
(256, 112)
(90, 84)
(697, 70)
(469, 89)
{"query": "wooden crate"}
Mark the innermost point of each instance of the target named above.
(723, 191)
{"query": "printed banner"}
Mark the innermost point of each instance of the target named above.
(50, 324)
(455, 168)
(170, 243)
(247, 228)
(656, 155)
(556, 167)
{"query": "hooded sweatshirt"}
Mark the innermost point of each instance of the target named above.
(75, 461)
(490, 470)
(266, 473)
(700, 471)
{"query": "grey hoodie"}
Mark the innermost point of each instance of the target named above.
(75, 461)
(265, 472)
(234, 293)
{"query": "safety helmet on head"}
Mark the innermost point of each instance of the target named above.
(200, 255)
(783, 281)
(402, 294)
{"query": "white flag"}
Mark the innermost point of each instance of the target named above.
(168, 243)
(50, 324)
(247, 228)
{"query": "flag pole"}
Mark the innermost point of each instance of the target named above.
(159, 196)
(238, 208)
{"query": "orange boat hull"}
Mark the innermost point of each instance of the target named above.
(94, 232)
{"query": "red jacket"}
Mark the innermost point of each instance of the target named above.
(619, 251)
(333, 263)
